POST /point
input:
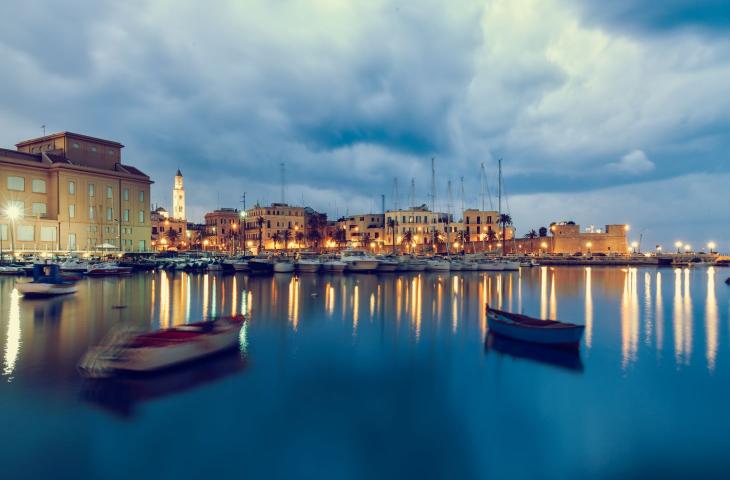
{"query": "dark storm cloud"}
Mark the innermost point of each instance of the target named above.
(712, 16)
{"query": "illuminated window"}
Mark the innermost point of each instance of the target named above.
(91, 189)
(72, 211)
(141, 195)
(109, 214)
(109, 192)
(71, 187)
(141, 217)
(125, 194)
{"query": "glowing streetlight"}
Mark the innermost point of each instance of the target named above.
(635, 246)
(13, 212)
(678, 244)
(711, 246)
(687, 247)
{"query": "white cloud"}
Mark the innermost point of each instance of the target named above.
(634, 163)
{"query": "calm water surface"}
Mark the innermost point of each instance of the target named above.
(390, 376)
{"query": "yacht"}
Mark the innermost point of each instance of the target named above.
(74, 265)
(357, 261)
(387, 264)
(438, 265)
(283, 265)
(47, 282)
(309, 265)
(107, 268)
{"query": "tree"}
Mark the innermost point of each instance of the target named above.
(543, 232)
(504, 220)
(406, 239)
(491, 236)
(532, 235)
(339, 236)
(315, 226)
(286, 237)
(462, 237)
(172, 236)
(299, 238)
(314, 237)
(260, 223)
(276, 238)
(391, 226)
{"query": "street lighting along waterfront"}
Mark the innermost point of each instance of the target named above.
(13, 212)
(711, 246)
(678, 244)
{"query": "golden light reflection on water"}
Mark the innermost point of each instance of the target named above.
(659, 302)
(629, 318)
(553, 296)
(589, 308)
(355, 308)
(12, 344)
(164, 300)
(293, 301)
(711, 320)
(648, 324)
(543, 292)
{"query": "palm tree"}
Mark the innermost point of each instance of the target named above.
(314, 237)
(172, 236)
(286, 236)
(462, 237)
(391, 226)
(365, 240)
(315, 225)
(299, 238)
(532, 235)
(504, 220)
(543, 231)
(407, 238)
(276, 238)
(491, 236)
(339, 236)
(260, 223)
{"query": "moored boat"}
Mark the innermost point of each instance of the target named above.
(437, 265)
(334, 266)
(283, 265)
(387, 264)
(107, 268)
(309, 265)
(166, 348)
(260, 266)
(47, 282)
(358, 262)
(528, 329)
(74, 265)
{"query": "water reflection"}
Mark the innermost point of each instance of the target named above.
(554, 357)
(711, 320)
(12, 345)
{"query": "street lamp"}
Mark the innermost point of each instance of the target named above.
(711, 246)
(635, 246)
(588, 246)
(687, 247)
(13, 212)
(678, 244)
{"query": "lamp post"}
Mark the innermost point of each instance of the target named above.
(678, 245)
(635, 246)
(13, 212)
(588, 247)
(711, 246)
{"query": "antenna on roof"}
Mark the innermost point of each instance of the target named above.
(462, 195)
(395, 194)
(44, 130)
(433, 185)
(283, 182)
(412, 197)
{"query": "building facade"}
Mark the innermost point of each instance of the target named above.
(566, 238)
(167, 232)
(71, 192)
(417, 227)
(365, 231)
(222, 229)
(269, 225)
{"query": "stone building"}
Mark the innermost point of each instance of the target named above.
(365, 230)
(168, 232)
(223, 229)
(566, 238)
(71, 192)
(271, 222)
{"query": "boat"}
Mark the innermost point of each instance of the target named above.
(11, 270)
(408, 264)
(358, 262)
(74, 265)
(509, 265)
(437, 265)
(528, 329)
(162, 349)
(47, 282)
(260, 266)
(107, 268)
(489, 266)
(527, 263)
(334, 266)
(309, 265)
(470, 266)
(284, 265)
(387, 265)
(456, 266)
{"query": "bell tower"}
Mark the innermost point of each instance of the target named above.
(178, 197)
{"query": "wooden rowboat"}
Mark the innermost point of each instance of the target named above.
(166, 348)
(527, 329)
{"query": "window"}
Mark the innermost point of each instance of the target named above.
(48, 234)
(72, 211)
(91, 212)
(125, 194)
(141, 195)
(71, 187)
(479, 220)
(109, 214)
(489, 219)
(25, 233)
(72, 241)
(126, 215)
(16, 183)
(91, 189)
(109, 192)
(75, 145)
(141, 217)
(39, 208)
(38, 186)
(141, 246)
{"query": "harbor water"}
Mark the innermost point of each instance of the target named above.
(377, 376)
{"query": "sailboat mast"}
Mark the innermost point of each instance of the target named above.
(500, 187)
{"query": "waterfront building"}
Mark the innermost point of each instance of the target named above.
(566, 238)
(71, 192)
(365, 230)
(168, 232)
(222, 229)
(178, 197)
(268, 226)
(416, 226)
(482, 230)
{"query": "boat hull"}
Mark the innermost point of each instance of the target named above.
(387, 267)
(39, 290)
(567, 337)
(260, 268)
(361, 266)
(306, 267)
(283, 267)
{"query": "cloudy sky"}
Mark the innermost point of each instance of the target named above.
(604, 112)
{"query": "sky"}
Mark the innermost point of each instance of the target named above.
(603, 112)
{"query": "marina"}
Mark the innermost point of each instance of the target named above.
(320, 354)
